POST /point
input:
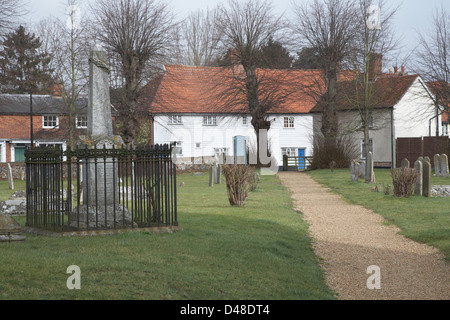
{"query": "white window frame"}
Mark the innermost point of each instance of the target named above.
(219, 151)
(46, 120)
(2, 151)
(244, 120)
(175, 119)
(289, 122)
(79, 122)
(363, 156)
(210, 120)
(445, 129)
(289, 151)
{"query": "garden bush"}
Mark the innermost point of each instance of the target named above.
(238, 179)
(404, 181)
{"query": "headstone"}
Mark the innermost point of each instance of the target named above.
(354, 170)
(437, 165)
(217, 173)
(100, 178)
(10, 177)
(443, 162)
(362, 169)
(418, 166)
(370, 176)
(211, 176)
(426, 158)
(426, 179)
(10, 230)
(405, 163)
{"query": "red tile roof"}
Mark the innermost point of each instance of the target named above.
(385, 93)
(183, 89)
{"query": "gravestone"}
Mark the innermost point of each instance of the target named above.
(418, 166)
(100, 186)
(10, 177)
(370, 176)
(354, 170)
(211, 176)
(10, 230)
(405, 163)
(443, 164)
(426, 179)
(362, 169)
(437, 165)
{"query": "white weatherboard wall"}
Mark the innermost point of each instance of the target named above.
(198, 140)
(414, 115)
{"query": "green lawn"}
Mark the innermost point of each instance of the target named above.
(261, 251)
(426, 220)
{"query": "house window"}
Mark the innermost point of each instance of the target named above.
(50, 122)
(175, 119)
(210, 120)
(81, 122)
(290, 152)
(289, 122)
(363, 156)
(445, 129)
(244, 120)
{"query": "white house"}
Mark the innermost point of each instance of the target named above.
(189, 107)
(402, 107)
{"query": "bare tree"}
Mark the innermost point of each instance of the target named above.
(136, 33)
(329, 26)
(247, 28)
(10, 11)
(68, 43)
(433, 58)
(198, 39)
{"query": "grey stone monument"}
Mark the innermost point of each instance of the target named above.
(362, 169)
(437, 165)
(354, 170)
(443, 162)
(10, 177)
(10, 230)
(426, 179)
(418, 166)
(405, 163)
(100, 180)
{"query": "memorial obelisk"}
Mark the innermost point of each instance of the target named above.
(100, 176)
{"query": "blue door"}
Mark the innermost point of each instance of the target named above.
(240, 150)
(301, 159)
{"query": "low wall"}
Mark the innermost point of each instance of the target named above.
(17, 168)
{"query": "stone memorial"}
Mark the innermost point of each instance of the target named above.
(405, 163)
(100, 180)
(362, 169)
(426, 179)
(10, 177)
(354, 170)
(437, 165)
(443, 164)
(418, 167)
(10, 230)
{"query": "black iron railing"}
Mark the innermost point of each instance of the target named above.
(95, 189)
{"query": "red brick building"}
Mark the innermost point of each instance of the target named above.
(50, 123)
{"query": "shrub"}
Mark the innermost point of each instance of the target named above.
(339, 155)
(404, 181)
(238, 178)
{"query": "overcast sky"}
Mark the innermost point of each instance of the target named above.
(413, 16)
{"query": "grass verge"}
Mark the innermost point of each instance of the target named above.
(260, 251)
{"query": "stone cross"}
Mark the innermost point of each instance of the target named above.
(418, 166)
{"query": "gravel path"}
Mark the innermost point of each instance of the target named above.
(349, 239)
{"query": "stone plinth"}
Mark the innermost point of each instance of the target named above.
(10, 230)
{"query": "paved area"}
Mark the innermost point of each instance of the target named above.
(362, 257)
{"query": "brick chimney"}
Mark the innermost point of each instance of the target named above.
(55, 90)
(376, 65)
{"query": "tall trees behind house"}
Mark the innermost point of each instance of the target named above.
(23, 68)
(433, 57)
(10, 12)
(248, 26)
(197, 41)
(67, 41)
(137, 33)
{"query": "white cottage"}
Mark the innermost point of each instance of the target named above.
(194, 108)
